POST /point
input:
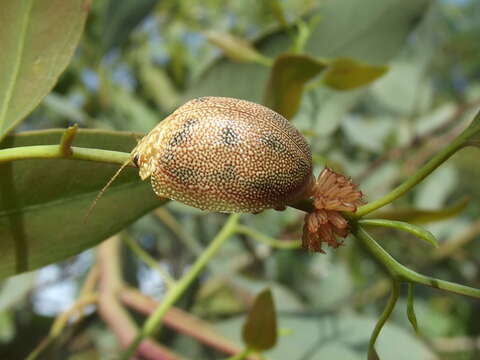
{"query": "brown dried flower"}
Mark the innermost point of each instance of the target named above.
(331, 194)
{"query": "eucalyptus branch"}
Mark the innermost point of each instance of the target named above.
(58, 152)
(400, 272)
(153, 322)
(421, 174)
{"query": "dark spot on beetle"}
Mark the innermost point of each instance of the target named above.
(229, 136)
(273, 186)
(189, 123)
(178, 138)
(274, 143)
(225, 175)
(135, 160)
(181, 136)
(184, 175)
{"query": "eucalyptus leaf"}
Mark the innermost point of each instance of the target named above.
(38, 39)
(236, 48)
(43, 202)
(290, 73)
(260, 328)
(410, 307)
(419, 232)
(347, 74)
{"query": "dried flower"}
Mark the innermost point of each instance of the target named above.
(332, 194)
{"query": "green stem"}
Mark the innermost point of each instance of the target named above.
(152, 323)
(57, 152)
(372, 354)
(401, 272)
(421, 174)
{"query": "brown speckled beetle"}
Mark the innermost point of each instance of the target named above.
(230, 155)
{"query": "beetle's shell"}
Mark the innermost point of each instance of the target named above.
(228, 155)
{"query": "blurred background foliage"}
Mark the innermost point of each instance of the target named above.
(139, 60)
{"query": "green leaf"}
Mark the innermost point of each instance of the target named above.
(347, 74)
(404, 226)
(289, 74)
(43, 202)
(236, 48)
(260, 329)
(420, 216)
(38, 39)
(410, 307)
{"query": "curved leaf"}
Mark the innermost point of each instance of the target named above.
(290, 72)
(236, 48)
(347, 74)
(411, 308)
(404, 226)
(38, 39)
(43, 202)
(260, 329)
